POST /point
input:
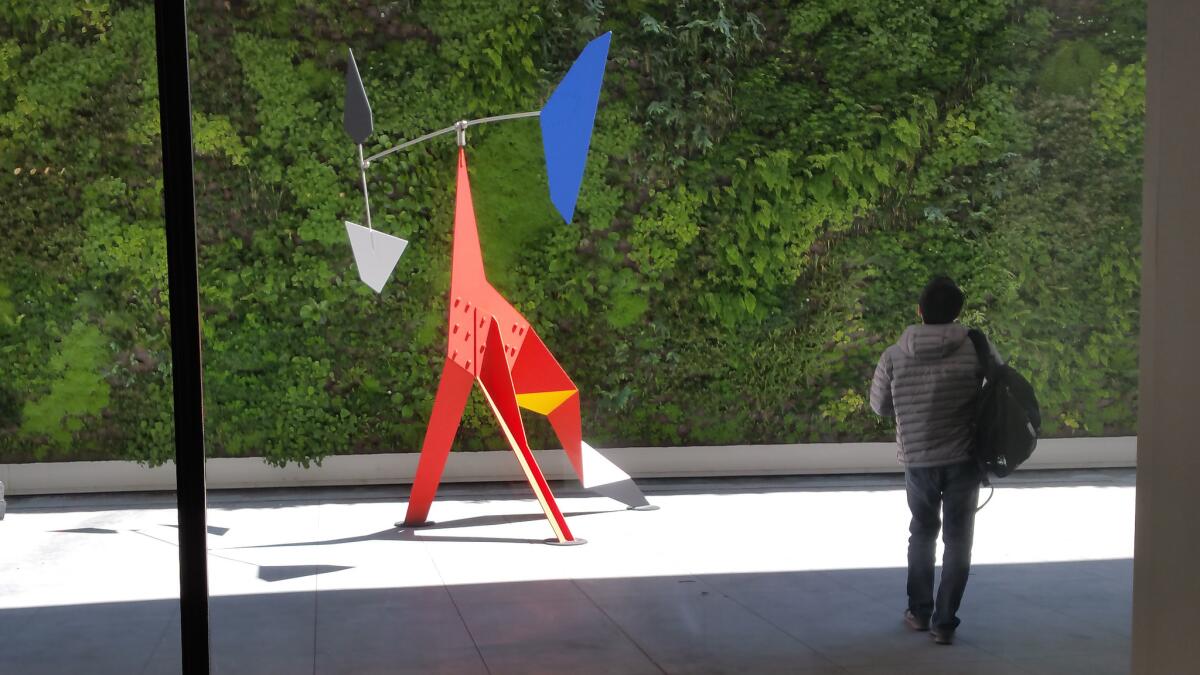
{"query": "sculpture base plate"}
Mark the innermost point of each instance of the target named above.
(415, 526)
(645, 507)
(573, 542)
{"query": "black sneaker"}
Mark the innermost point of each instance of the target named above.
(915, 622)
(942, 636)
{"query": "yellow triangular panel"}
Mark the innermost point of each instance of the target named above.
(543, 402)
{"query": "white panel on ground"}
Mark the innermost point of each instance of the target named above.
(606, 478)
(597, 470)
(375, 254)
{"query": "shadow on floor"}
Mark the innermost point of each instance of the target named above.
(285, 572)
(1037, 618)
(401, 533)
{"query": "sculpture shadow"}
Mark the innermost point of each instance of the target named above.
(401, 533)
(212, 529)
(272, 573)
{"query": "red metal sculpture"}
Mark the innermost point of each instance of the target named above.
(490, 342)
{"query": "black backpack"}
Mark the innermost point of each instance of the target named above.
(1007, 419)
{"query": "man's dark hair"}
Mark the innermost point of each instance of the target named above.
(941, 301)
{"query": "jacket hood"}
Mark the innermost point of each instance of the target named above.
(932, 341)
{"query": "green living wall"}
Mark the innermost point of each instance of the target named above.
(769, 186)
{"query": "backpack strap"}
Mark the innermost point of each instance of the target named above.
(983, 351)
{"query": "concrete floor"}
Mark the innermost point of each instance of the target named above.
(787, 575)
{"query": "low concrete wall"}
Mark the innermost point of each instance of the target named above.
(700, 461)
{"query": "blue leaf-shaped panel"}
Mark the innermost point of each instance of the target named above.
(567, 120)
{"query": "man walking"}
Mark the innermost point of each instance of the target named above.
(928, 381)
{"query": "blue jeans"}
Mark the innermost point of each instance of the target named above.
(952, 490)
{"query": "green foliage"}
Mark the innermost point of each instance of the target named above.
(688, 60)
(507, 167)
(1120, 110)
(77, 387)
(55, 19)
(769, 186)
(10, 410)
(1069, 342)
(1072, 69)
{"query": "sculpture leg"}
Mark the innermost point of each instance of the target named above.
(452, 394)
(496, 381)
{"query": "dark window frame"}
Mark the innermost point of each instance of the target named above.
(179, 212)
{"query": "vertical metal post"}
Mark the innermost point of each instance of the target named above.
(179, 209)
(362, 170)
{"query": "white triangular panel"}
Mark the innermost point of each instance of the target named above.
(597, 470)
(375, 254)
(605, 478)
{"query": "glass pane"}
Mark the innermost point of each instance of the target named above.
(768, 188)
(89, 574)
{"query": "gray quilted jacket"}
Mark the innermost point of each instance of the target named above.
(928, 381)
